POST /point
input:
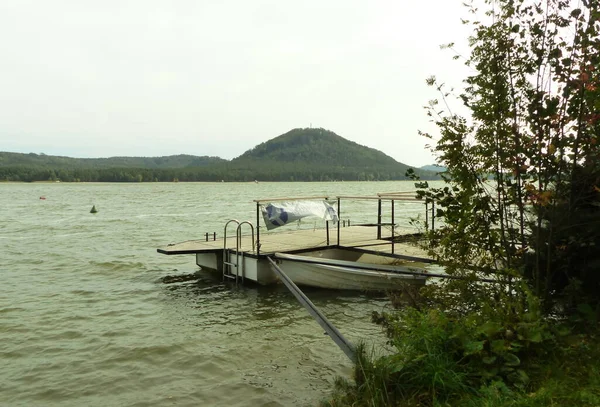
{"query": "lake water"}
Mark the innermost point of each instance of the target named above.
(89, 317)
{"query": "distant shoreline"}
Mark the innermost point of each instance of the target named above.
(198, 182)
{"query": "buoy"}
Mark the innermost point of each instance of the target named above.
(94, 210)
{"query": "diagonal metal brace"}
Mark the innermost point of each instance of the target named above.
(331, 330)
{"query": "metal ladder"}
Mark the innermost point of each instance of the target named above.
(235, 270)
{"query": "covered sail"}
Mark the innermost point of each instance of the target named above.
(281, 213)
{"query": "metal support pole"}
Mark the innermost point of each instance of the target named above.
(432, 216)
(257, 228)
(331, 330)
(393, 226)
(339, 217)
(379, 219)
(426, 215)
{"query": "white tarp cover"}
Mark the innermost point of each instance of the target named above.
(281, 213)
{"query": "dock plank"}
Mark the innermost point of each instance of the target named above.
(294, 240)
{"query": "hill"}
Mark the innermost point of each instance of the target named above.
(433, 168)
(298, 155)
(317, 146)
(317, 155)
(58, 162)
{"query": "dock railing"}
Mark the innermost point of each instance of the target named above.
(379, 223)
(392, 197)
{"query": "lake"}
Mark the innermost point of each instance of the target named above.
(91, 314)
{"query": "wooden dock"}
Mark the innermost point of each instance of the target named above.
(357, 237)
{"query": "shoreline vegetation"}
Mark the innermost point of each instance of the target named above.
(280, 173)
(199, 182)
(521, 205)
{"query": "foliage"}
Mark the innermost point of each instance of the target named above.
(495, 343)
(506, 354)
(522, 170)
(370, 385)
(521, 207)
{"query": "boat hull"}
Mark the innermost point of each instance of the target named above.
(347, 277)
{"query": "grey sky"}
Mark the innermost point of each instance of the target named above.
(148, 78)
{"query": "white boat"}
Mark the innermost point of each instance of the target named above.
(311, 270)
(357, 257)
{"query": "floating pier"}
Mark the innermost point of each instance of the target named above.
(242, 251)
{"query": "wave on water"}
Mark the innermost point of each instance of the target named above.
(11, 309)
(163, 215)
(195, 285)
(84, 293)
(179, 278)
(116, 265)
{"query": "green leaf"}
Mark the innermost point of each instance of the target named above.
(473, 347)
(489, 373)
(498, 346)
(511, 360)
(522, 376)
(396, 367)
(515, 345)
(490, 328)
(535, 335)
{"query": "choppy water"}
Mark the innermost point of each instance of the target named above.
(90, 316)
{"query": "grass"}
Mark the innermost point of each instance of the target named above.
(427, 370)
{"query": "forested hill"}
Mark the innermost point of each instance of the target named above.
(317, 146)
(318, 155)
(299, 155)
(58, 162)
(433, 168)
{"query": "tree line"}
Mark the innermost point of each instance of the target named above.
(227, 173)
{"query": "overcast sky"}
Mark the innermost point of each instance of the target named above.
(149, 78)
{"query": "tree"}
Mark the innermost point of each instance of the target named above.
(523, 170)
